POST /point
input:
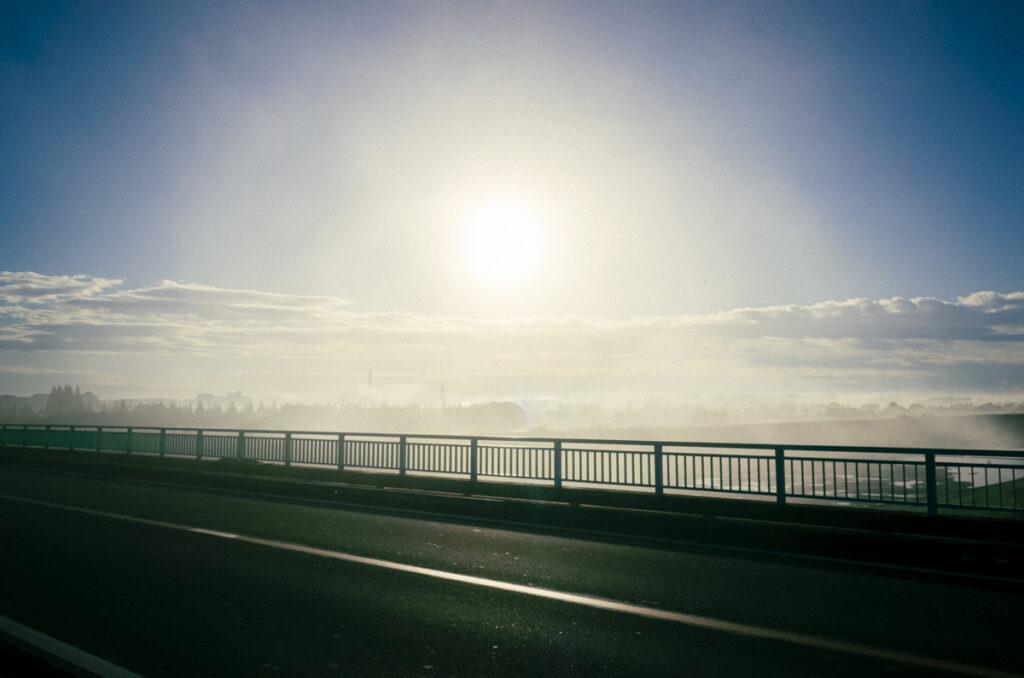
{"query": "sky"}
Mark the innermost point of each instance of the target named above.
(512, 200)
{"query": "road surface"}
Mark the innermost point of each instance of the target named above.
(166, 580)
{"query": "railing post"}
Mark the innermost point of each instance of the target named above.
(128, 441)
(240, 448)
(162, 445)
(341, 451)
(288, 449)
(558, 464)
(401, 455)
(46, 437)
(931, 484)
(780, 475)
(99, 438)
(659, 480)
(71, 438)
(3, 435)
(199, 443)
(473, 464)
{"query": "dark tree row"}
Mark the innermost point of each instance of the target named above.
(67, 405)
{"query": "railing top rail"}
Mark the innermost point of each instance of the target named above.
(855, 449)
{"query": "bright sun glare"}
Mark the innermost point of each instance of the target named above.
(502, 242)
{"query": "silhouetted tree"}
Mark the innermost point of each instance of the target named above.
(63, 401)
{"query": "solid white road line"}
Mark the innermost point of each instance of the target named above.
(573, 598)
(434, 515)
(66, 653)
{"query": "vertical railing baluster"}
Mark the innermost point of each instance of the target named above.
(932, 488)
(780, 475)
(986, 489)
(558, 464)
(999, 484)
(473, 463)
(659, 480)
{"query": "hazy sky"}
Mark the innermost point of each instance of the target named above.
(512, 199)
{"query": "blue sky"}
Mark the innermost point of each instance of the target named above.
(685, 165)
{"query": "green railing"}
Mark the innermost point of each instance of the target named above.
(904, 476)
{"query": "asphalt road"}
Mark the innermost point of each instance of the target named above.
(277, 588)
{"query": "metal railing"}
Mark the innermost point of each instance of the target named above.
(902, 476)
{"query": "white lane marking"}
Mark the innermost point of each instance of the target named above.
(708, 546)
(574, 598)
(68, 654)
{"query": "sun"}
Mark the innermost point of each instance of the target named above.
(502, 242)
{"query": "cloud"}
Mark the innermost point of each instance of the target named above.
(921, 343)
(83, 313)
(23, 286)
(21, 369)
(983, 316)
(210, 303)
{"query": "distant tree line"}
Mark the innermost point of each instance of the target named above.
(67, 405)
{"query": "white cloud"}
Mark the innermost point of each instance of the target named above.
(24, 286)
(983, 316)
(857, 344)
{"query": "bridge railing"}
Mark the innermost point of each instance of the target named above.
(912, 477)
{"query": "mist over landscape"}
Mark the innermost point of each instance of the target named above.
(939, 422)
